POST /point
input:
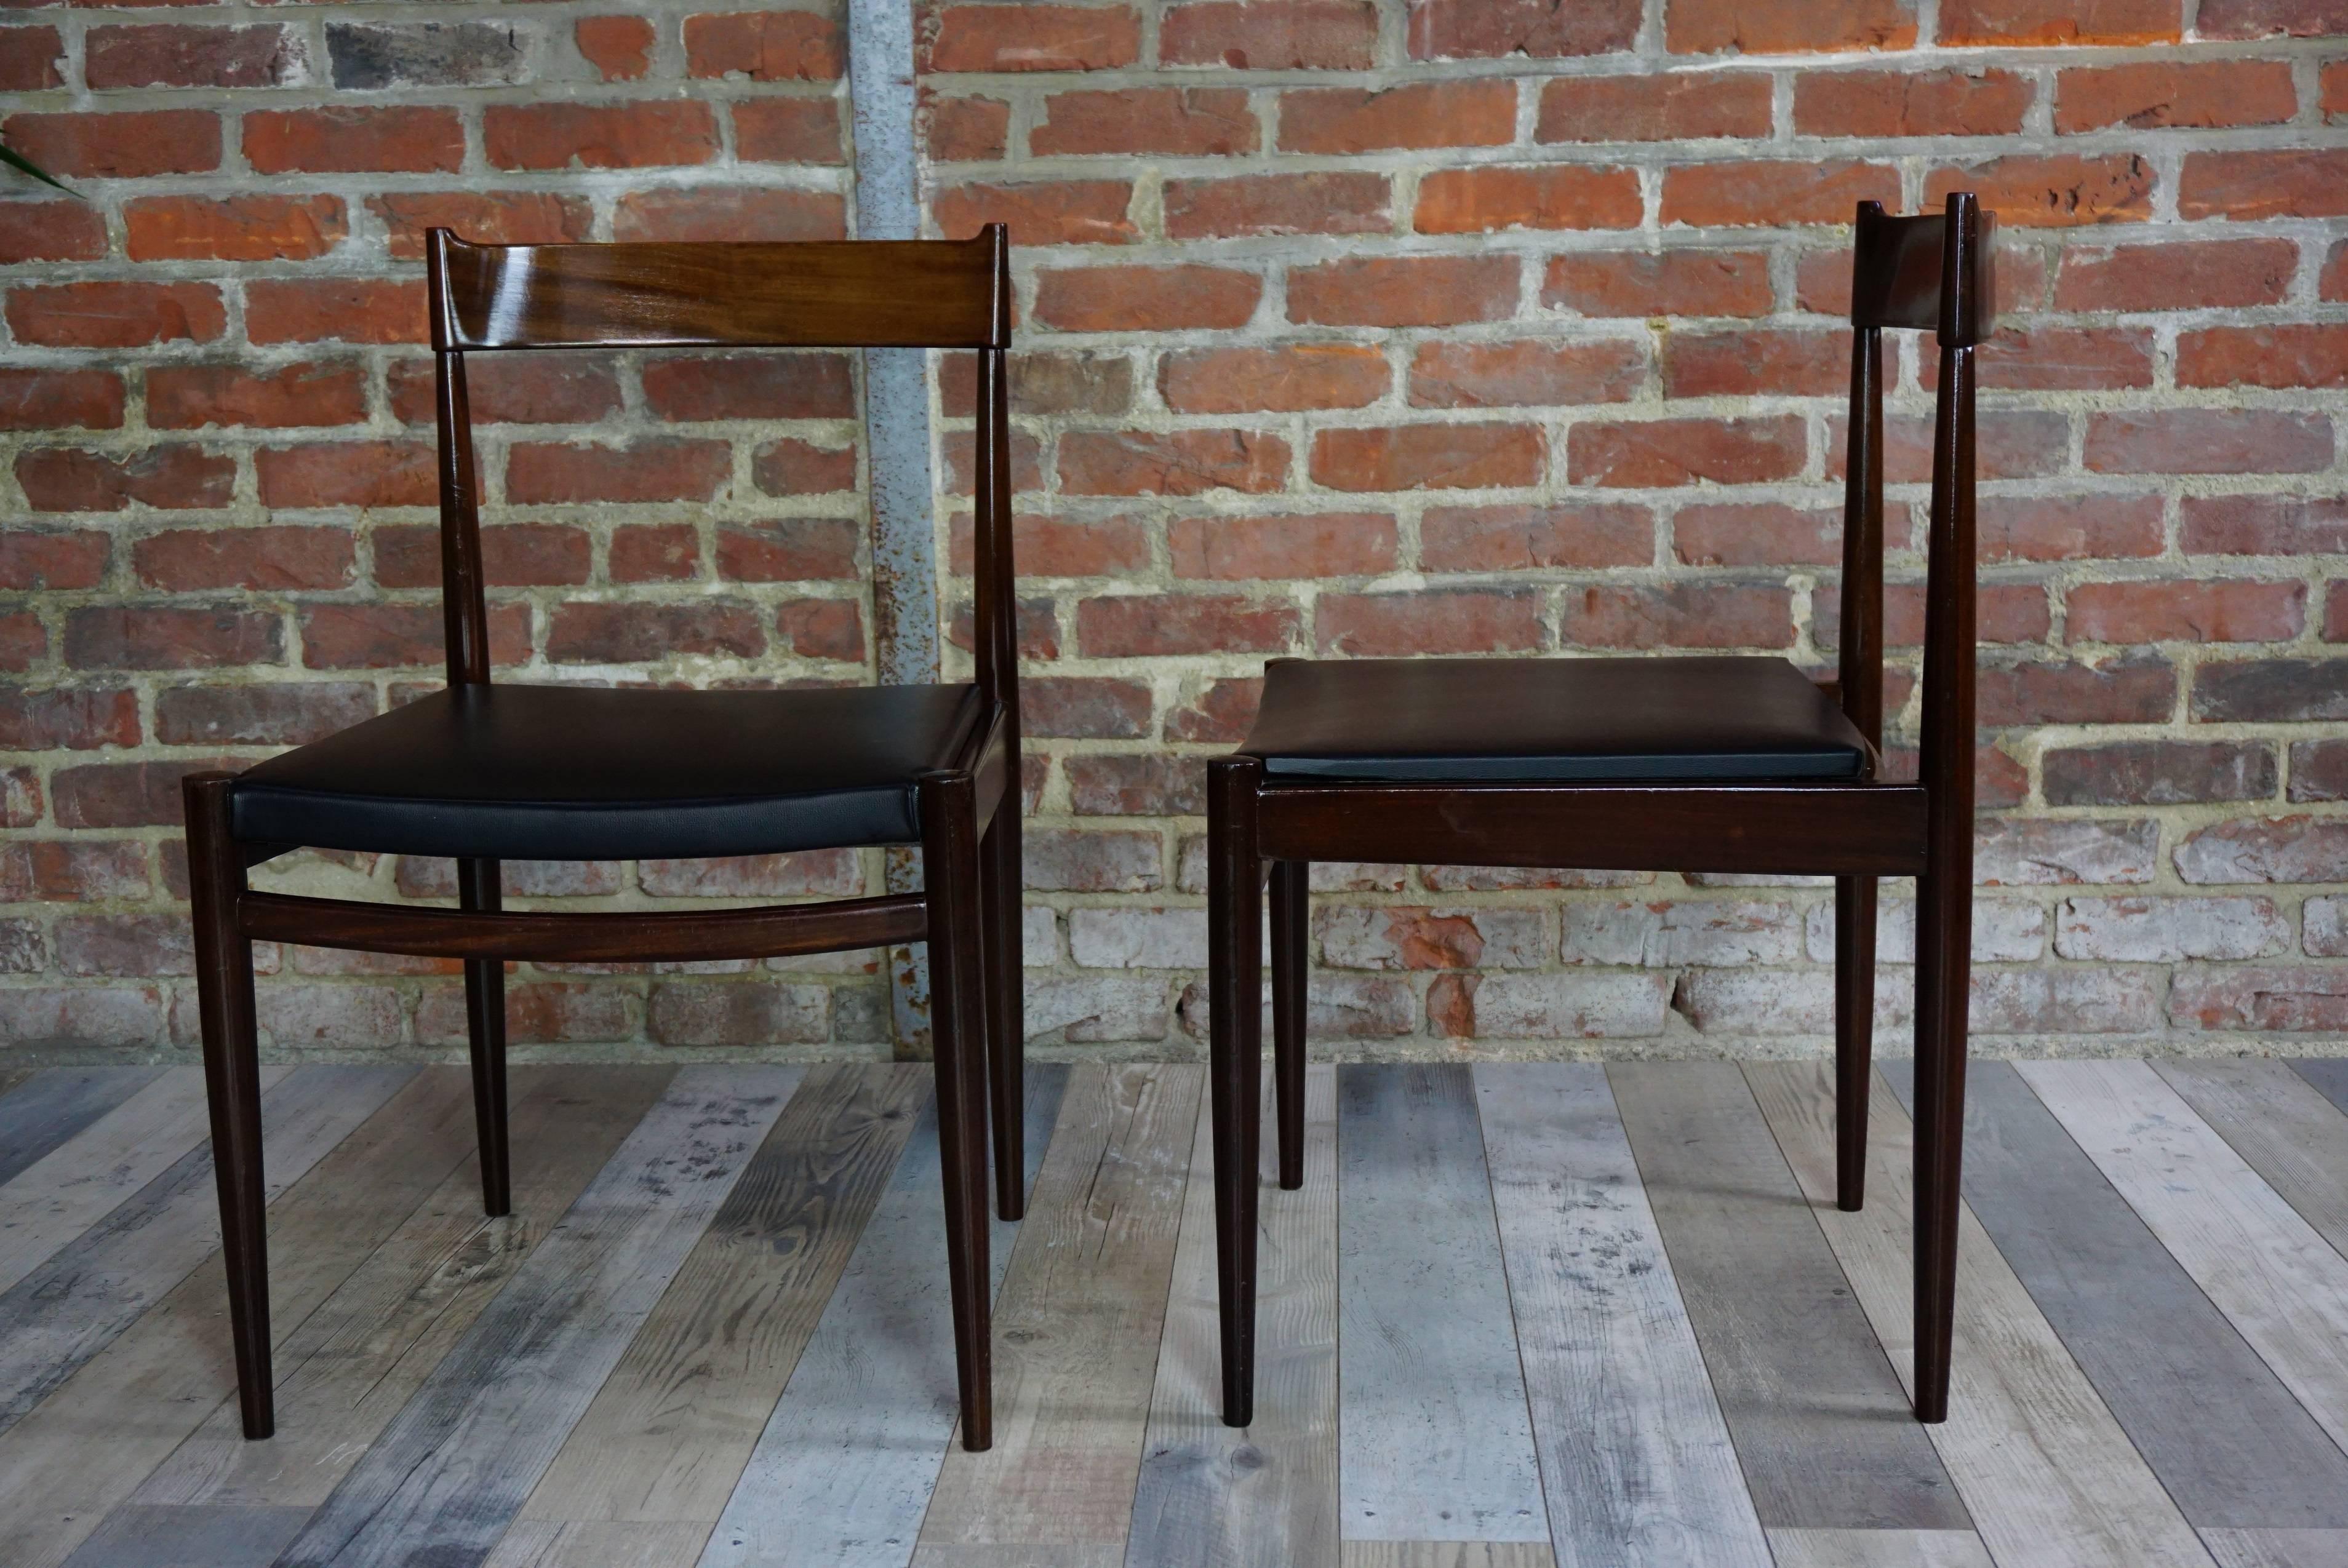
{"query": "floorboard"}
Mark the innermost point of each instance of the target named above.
(1636, 1459)
(1449, 1554)
(1265, 1496)
(176, 1535)
(1879, 1549)
(42, 1111)
(2278, 1548)
(597, 1543)
(447, 1475)
(1434, 1439)
(2225, 1437)
(2293, 1137)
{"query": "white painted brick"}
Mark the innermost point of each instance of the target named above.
(1096, 1007)
(2151, 930)
(2006, 931)
(1137, 939)
(1595, 1006)
(1695, 931)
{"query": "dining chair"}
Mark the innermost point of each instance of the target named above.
(483, 773)
(1692, 763)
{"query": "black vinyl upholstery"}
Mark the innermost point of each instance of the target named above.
(1551, 720)
(560, 773)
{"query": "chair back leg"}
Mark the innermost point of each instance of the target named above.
(1002, 881)
(1854, 1033)
(1235, 1072)
(1290, 913)
(232, 1086)
(485, 1028)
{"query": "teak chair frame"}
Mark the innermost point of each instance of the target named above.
(833, 294)
(1927, 272)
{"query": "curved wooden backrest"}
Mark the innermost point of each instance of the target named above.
(848, 294)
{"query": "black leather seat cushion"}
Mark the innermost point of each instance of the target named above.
(560, 773)
(1496, 720)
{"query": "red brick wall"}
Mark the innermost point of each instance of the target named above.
(1348, 326)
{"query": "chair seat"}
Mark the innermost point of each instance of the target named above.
(560, 773)
(1556, 719)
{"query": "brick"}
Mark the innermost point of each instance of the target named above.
(2288, 182)
(2287, 355)
(1146, 299)
(1271, 548)
(790, 466)
(428, 876)
(2158, 772)
(1534, 538)
(1139, 938)
(485, 218)
(1674, 108)
(1126, 784)
(765, 46)
(50, 231)
(1044, 384)
(2012, 443)
(1285, 378)
(367, 57)
(790, 549)
(961, 130)
(2158, 94)
(2271, 690)
(2065, 1001)
(1271, 35)
(1325, 203)
(2006, 931)
(1064, 546)
(1670, 452)
(2209, 441)
(169, 478)
(2267, 849)
(20, 798)
(81, 1017)
(351, 310)
(522, 555)
(1774, 194)
(507, 389)
(1956, 101)
(1986, 22)
(2175, 274)
(2069, 527)
(171, 56)
(1084, 708)
(2325, 933)
(289, 715)
(2140, 931)
(115, 315)
(1175, 463)
(2131, 690)
(2007, 612)
(2332, 284)
(1756, 364)
(2319, 769)
(787, 130)
(537, 1013)
(348, 473)
(642, 135)
(1659, 284)
(30, 55)
(35, 558)
(1668, 934)
(23, 643)
(1187, 122)
(2270, 18)
(1549, 1007)
(60, 399)
(71, 718)
(642, 633)
(619, 47)
(2227, 610)
(693, 388)
(1536, 371)
(1480, 113)
(1556, 196)
(1057, 212)
(118, 637)
(1087, 860)
(1030, 38)
(1449, 457)
(1418, 937)
(1694, 615)
(1221, 711)
(233, 229)
(23, 949)
(128, 146)
(834, 873)
(1788, 26)
(2290, 1000)
(2056, 190)
(736, 213)
(392, 636)
(832, 629)
(125, 794)
(1495, 29)
(1144, 625)
(1091, 1008)
(2059, 359)
(336, 140)
(1430, 620)
(667, 552)
(2010, 852)
(194, 396)
(649, 469)
(179, 561)
(1764, 533)
(1403, 291)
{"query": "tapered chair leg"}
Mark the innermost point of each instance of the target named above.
(1001, 882)
(950, 871)
(1235, 1083)
(1854, 1033)
(1290, 911)
(231, 1086)
(485, 1024)
(1943, 940)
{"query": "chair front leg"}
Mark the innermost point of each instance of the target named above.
(1291, 912)
(1943, 974)
(1002, 881)
(1854, 1033)
(1235, 1015)
(485, 1028)
(232, 1084)
(950, 871)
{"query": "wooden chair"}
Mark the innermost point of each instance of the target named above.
(485, 773)
(1738, 765)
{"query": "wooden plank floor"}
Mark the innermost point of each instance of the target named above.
(1522, 1315)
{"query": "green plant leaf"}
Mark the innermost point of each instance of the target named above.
(17, 161)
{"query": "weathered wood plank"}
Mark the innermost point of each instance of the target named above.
(64, 1312)
(843, 1472)
(1823, 1429)
(1636, 1459)
(176, 1536)
(2328, 1074)
(2226, 1440)
(671, 1429)
(2278, 1548)
(597, 1543)
(1449, 1554)
(2049, 1477)
(2276, 1280)
(1879, 1549)
(1016, 1557)
(348, 1368)
(1209, 1496)
(450, 1470)
(1076, 1332)
(1434, 1439)
(2289, 1133)
(42, 1111)
(57, 1197)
